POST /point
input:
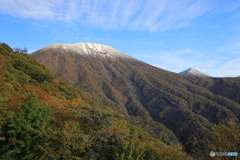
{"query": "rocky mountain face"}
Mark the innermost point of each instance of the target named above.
(193, 72)
(159, 101)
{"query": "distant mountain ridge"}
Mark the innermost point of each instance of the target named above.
(193, 72)
(189, 106)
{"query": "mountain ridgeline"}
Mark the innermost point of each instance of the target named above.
(186, 108)
(43, 117)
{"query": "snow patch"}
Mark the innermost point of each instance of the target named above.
(84, 48)
(97, 50)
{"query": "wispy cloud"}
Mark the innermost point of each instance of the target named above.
(222, 62)
(154, 15)
(142, 41)
(33, 9)
(219, 72)
(166, 58)
(233, 48)
(183, 59)
(169, 55)
(232, 64)
(210, 67)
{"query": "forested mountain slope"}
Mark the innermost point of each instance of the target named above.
(188, 106)
(42, 117)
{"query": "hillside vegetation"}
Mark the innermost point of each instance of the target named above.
(42, 117)
(171, 107)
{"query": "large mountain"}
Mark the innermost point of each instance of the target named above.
(193, 72)
(188, 106)
(42, 117)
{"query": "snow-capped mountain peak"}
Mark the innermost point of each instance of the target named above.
(93, 49)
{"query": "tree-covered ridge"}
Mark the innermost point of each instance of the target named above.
(42, 117)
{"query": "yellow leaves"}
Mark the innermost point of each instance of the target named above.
(2, 138)
(87, 100)
(100, 109)
(225, 138)
(70, 129)
(74, 102)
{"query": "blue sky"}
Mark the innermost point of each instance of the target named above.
(171, 34)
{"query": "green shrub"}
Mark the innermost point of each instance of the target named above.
(41, 77)
(25, 130)
(6, 47)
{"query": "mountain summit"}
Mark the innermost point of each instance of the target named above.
(194, 72)
(90, 49)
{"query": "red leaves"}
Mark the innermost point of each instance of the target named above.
(1, 57)
(14, 141)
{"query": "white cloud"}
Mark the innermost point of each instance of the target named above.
(154, 15)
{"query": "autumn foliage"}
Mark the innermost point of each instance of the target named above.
(42, 117)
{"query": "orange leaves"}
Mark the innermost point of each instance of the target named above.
(87, 100)
(86, 112)
(36, 89)
(14, 100)
(1, 57)
(115, 129)
(67, 103)
(60, 116)
(44, 96)
(16, 97)
(74, 103)
(60, 112)
(49, 99)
